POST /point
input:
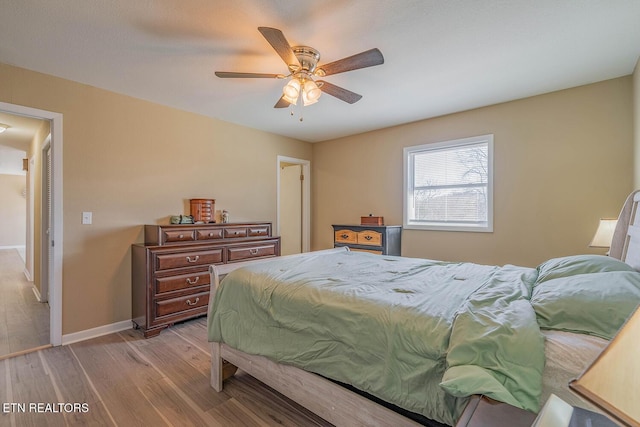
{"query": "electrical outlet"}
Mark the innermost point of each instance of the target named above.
(87, 217)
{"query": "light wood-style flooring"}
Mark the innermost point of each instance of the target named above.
(126, 380)
(24, 321)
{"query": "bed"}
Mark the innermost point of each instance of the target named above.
(419, 336)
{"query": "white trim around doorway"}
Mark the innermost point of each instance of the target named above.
(55, 287)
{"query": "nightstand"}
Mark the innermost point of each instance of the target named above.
(377, 239)
(485, 412)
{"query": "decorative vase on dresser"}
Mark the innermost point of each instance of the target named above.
(378, 239)
(170, 271)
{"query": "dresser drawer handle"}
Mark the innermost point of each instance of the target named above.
(193, 303)
(192, 260)
(344, 236)
(181, 236)
(368, 237)
(210, 234)
(192, 282)
(253, 251)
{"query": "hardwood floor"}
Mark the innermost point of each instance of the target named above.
(24, 322)
(123, 379)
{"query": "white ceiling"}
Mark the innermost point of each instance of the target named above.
(441, 56)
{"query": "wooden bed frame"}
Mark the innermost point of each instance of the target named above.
(339, 405)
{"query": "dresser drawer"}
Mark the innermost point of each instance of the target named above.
(233, 232)
(369, 237)
(209, 234)
(183, 281)
(189, 259)
(346, 236)
(257, 250)
(178, 236)
(176, 305)
(371, 251)
(259, 231)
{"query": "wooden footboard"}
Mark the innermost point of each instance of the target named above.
(324, 398)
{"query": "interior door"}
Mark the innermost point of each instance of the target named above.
(291, 180)
(46, 259)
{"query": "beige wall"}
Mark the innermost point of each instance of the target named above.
(132, 162)
(562, 161)
(13, 210)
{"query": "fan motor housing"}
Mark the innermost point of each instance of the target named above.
(308, 58)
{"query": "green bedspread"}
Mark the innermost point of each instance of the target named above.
(420, 334)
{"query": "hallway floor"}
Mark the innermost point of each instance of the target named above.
(24, 322)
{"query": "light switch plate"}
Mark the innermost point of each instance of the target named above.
(87, 217)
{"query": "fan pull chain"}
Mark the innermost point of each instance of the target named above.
(292, 111)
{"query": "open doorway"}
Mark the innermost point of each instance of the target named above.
(293, 221)
(36, 276)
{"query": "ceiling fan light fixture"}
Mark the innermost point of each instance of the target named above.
(311, 91)
(290, 100)
(306, 100)
(292, 89)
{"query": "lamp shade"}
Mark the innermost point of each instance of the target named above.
(604, 233)
(612, 382)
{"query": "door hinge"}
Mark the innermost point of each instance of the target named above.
(301, 177)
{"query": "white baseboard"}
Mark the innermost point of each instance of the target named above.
(96, 332)
(36, 292)
(27, 275)
(13, 247)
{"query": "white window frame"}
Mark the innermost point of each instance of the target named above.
(409, 152)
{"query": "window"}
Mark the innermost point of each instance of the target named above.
(449, 185)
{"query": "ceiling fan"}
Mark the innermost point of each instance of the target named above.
(302, 62)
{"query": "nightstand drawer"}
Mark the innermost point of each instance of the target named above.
(183, 281)
(176, 305)
(188, 259)
(371, 251)
(369, 237)
(346, 236)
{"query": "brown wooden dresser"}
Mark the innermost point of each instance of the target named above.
(378, 239)
(170, 271)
